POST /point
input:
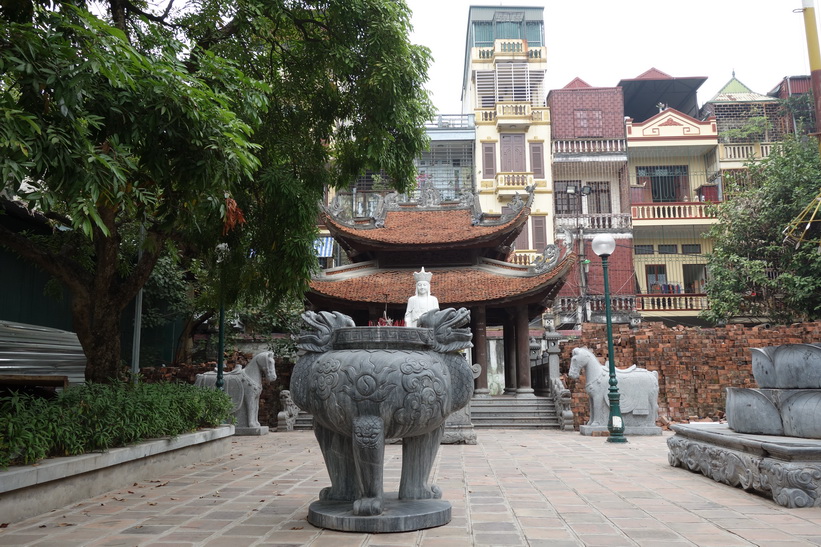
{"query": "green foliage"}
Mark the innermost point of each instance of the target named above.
(95, 417)
(753, 273)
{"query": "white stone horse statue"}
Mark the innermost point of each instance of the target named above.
(638, 389)
(244, 386)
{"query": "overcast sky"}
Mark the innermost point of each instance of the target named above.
(604, 41)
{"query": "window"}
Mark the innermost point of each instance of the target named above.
(537, 159)
(509, 82)
(482, 34)
(691, 248)
(668, 183)
(643, 249)
(656, 278)
(533, 33)
(588, 123)
(599, 199)
(567, 204)
(668, 249)
(695, 277)
(513, 153)
(488, 160)
(539, 233)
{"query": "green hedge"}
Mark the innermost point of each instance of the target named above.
(96, 417)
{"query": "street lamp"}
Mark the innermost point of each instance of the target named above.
(604, 245)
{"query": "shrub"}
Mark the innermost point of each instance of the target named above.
(95, 417)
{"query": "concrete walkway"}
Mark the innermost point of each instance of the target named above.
(513, 488)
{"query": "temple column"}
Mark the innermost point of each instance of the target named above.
(523, 388)
(509, 341)
(478, 319)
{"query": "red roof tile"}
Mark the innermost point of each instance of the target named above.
(484, 283)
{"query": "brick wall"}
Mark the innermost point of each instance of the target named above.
(695, 365)
(564, 102)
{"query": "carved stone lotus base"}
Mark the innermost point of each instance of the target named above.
(788, 469)
(397, 516)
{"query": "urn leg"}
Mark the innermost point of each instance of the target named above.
(338, 454)
(418, 455)
(369, 456)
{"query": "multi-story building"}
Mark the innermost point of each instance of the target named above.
(503, 87)
(591, 196)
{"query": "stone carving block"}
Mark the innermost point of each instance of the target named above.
(638, 389)
(381, 383)
(286, 418)
(789, 366)
(244, 386)
(787, 470)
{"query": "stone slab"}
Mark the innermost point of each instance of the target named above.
(593, 430)
(397, 515)
(28, 490)
(787, 469)
(251, 431)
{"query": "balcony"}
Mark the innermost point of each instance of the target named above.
(745, 152)
(510, 184)
(513, 114)
(595, 222)
(672, 304)
(593, 146)
(509, 49)
(683, 212)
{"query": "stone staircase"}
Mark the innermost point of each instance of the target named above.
(509, 412)
(497, 412)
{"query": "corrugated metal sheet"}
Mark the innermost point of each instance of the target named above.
(35, 350)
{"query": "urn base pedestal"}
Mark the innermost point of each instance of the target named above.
(397, 515)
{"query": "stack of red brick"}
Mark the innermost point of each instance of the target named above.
(695, 365)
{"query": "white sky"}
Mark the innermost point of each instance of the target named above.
(604, 41)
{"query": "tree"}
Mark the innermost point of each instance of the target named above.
(754, 273)
(162, 130)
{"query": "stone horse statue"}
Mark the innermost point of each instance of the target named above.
(638, 390)
(244, 386)
(367, 384)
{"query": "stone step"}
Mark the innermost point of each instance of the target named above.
(506, 411)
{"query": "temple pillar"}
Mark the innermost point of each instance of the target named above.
(523, 387)
(478, 318)
(509, 342)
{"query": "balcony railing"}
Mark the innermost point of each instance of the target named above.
(603, 222)
(684, 210)
(518, 180)
(672, 302)
(509, 48)
(514, 112)
(744, 152)
(451, 121)
(594, 146)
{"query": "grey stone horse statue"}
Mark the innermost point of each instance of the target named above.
(244, 386)
(638, 389)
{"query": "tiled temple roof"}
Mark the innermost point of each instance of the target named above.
(489, 282)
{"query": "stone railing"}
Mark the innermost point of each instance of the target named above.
(672, 302)
(593, 146)
(595, 222)
(512, 110)
(681, 210)
(744, 152)
(513, 179)
(618, 303)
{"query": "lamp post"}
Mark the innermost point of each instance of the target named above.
(604, 245)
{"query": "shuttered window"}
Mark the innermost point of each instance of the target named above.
(537, 159)
(539, 233)
(488, 160)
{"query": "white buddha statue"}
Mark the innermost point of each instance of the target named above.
(422, 301)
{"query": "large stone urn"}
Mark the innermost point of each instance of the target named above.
(367, 384)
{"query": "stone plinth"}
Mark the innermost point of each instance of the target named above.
(592, 430)
(397, 515)
(787, 469)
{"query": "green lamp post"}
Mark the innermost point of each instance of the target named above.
(604, 245)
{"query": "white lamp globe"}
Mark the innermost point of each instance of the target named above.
(603, 245)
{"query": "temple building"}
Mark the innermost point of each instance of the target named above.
(467, 253)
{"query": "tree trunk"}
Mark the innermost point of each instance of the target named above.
(101, 340)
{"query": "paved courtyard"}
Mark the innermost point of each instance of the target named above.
(513, 488)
